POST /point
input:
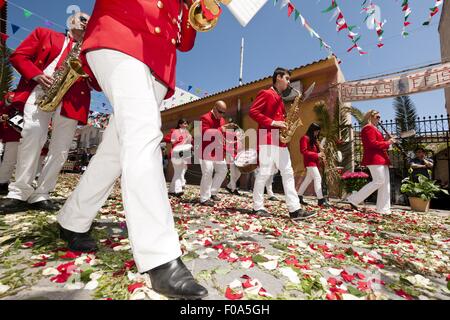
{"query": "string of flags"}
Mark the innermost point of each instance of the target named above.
(296, 13)
(370, 9)
(341, 24)
(407, 12)
(433, 11)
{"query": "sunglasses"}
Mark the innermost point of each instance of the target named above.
(378, 117)
(83, 19)
(220, 111)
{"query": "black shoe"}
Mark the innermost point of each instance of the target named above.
(174, 280)
(236, 192)
(215, 198)
(176, 194)
(261, 213)
(323, 203)
(229, 190)
(46, 205)
(10, 205)
(301, 214)
(4, 188)
(273, 198)
(78, 241)
(302, 202)
(208, 203)
(352, 205)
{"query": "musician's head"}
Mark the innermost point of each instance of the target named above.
(313, 130)
(77, 25)
(219, 110)
(182, 123)
(372, 116)
(281, 79)
(420, 153)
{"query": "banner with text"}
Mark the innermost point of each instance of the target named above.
(435, 77)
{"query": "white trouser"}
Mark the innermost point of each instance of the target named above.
(210, 185)
(34, 136)
(179, 169)
(312, 174)
(271, 158)
(9, 161)
(40, 165)
(130, 149)
(2, 148)
(269, 186)
(235, 174)
(381, 182)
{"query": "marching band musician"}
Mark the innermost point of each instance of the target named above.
(309, 147)
(231, 149)
(36, 59)
(212, 157)
(376, 158)
(269, 112)
(10, 137)
(130, 47)
(179, 136)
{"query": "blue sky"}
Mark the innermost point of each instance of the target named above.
(272, 39)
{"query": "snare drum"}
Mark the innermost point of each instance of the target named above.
(246, 161)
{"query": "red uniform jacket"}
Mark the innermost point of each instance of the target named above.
(7, 133)
(144, 29)
(30, 59)
(310, 154)
(212, 127)
(375, 147)
(267, 107)
(176, 137)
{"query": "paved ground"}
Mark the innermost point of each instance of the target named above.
(338, 254)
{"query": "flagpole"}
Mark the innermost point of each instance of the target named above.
(239, 116)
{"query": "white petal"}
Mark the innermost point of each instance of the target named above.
(335, 272)
(91, 285)
(246, 264)
(291, 274)
(138, 295)
(235, 284)
(74, 286)
(270, 265)
(50, 272)
(3, 288)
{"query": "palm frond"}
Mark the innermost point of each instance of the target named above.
(6, 71)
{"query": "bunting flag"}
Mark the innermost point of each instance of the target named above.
(189, 88)
(433, 11)
(27, 13)
(370, 10)
(407, 11)
(305, 24)
(15, 28)
(341, 24)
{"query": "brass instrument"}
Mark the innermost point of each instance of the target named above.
(205, 21)
(64, 77)
(293, 120)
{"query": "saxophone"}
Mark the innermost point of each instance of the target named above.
(64, 77)
(293, 120)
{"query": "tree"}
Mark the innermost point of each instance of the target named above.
(405, 118)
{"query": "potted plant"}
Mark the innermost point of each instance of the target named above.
(421, 192)
(354, 181)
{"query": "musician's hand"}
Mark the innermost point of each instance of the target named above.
(392, 140)
(321, 155)
(279, 124)
(44, 80)
(4, 117)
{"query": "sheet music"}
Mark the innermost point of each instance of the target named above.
(245, 10)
